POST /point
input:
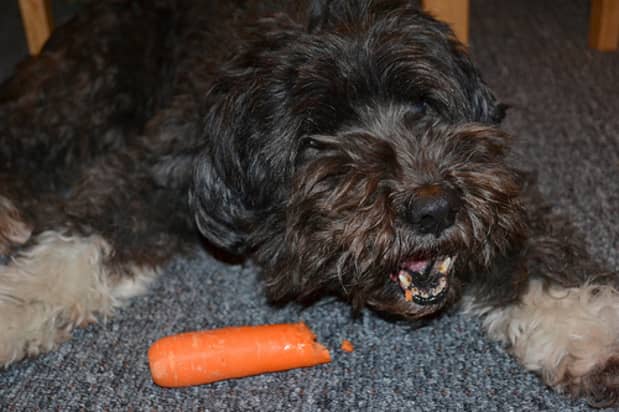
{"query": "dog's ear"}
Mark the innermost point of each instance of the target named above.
(243, 161)
(218, 207)
(219, 192)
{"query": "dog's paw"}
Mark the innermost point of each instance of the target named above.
(570, 336)
(58, 283)
(47, 290)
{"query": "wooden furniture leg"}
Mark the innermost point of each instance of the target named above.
(454, 12)
(604, 25)
(38, 23)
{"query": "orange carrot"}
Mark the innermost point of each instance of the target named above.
(347, 346)
(195, 358)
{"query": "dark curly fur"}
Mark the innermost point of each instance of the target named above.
(333, 143)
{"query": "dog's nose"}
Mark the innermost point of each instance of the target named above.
(433, 209)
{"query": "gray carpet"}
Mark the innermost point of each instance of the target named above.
(565, 104)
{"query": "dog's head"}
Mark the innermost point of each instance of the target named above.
(356, 153)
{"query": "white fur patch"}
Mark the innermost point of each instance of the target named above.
(59, 283)
(557, 332)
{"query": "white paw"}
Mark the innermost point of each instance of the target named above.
(59, 283)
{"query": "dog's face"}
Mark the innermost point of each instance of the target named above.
(357, 157)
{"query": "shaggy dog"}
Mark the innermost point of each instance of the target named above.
(347, 147)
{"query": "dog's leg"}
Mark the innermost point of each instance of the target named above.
(565, 324)
(76, 241)
(89, 254)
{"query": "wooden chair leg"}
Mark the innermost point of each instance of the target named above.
(454, 12)
(38, 23)
(604, 25)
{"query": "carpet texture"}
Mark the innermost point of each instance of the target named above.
(564, 116)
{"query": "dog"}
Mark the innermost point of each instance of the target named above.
(349, 148)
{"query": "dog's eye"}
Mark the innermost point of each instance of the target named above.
(308, 149)
(418, 108)
(309, 143)
(415, 111)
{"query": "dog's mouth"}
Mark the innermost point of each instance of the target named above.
(424, 282)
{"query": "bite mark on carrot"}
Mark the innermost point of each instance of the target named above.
(200, 357)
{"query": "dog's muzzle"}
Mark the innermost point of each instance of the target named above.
(424, 282)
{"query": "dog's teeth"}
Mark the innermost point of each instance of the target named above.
(440, 288)
(405, 279)
(442, 283)
(444, 265)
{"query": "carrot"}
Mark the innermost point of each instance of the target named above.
(195, 358)
(347, 346)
